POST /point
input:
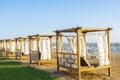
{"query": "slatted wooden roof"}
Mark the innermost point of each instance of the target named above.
(22, 38)
(43, 35)
(83, 29)
(7, 39)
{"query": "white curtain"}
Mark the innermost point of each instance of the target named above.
(18, 44)
(73, 44)
(34, 45)
(45, 48)
(106, 62)
(103, 49)
(18, 48)
(72, 41)
(48, 48)
(83, 47)
(8, 45)
(13, 46)
(4, 43)
(23, 44)
(26, 47)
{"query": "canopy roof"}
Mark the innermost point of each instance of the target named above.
(83, 29)
(43, 35)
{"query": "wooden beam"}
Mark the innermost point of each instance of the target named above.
(50, 44)
(83, 29)
(10, 47)
(16, 48)
(30, 46)
(79, 53)
(38, 48)
(93, 68)
(109, 54)
(3, 45)
(21, 48)
(57, 49)
(43, 35)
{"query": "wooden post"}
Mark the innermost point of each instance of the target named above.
(4, 42)
(60, 38)
(16, 48)
(79, 52)
(57, 49)
(6, 48)
(38, 48)
(50, 44)
(10, 47)
(30, 46)
(0, 44)
(109, 54)
(21, 48)
(84, 36)
(24, 42)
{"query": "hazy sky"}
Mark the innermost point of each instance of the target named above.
(26, 17)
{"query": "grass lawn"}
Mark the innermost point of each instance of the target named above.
(11, 70)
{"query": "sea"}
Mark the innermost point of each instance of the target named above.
(93, 48)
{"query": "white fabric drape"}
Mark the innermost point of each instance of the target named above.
(8, 45)
(83, 47)
(18, 44)
(103, 49)
(4, 43)
(18, 48)
(106, 62)
(13, 46)
(26, 47)
(23, 46)
(45, 48)
(48, 48)
(73, 44)
(34, 45)
(72, 41)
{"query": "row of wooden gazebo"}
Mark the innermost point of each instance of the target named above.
(78, 31)
(14, 47)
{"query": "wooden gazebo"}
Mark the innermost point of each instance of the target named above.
(80, 31)
(37, 52)
(20, 45)
(10, 45)
(2, 47)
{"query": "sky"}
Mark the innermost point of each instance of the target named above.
(19, 18)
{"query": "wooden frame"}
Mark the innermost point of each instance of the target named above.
(20, 40)
(9, 52)
(2, 47)
(79, 31)
(38, 37)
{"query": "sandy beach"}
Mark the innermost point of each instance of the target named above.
(64, 74)
(100, 74)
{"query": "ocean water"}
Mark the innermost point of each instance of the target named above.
(92, 47)
(113, 49)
